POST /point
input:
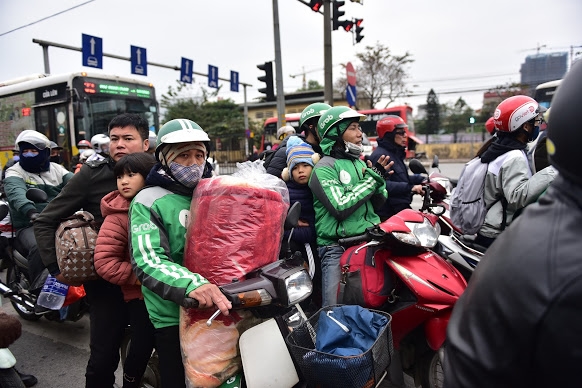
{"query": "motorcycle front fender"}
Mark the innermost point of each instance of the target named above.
(265, 357)
(435, 330)
(7, 360)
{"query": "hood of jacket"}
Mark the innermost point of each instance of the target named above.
(113, 203)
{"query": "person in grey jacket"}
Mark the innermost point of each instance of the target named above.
(509, 184)
(518, 322)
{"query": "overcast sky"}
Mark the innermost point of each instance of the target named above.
(456, 44)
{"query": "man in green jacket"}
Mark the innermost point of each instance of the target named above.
(345, 191)
(157, 225)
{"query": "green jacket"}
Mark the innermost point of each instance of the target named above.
(344, 198)
(18, 181)
(157, 229)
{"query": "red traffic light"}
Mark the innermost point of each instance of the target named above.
(316, 5)
(347, 25)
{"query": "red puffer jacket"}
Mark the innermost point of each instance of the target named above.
(112, 260)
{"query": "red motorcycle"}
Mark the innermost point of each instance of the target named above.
(420, 289)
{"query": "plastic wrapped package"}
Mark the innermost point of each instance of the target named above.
(210, 353)
(236, 224)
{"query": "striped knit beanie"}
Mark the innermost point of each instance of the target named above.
(298, 152)
(171, 151)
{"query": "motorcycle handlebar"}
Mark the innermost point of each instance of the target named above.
(350, 241)
(190, 303)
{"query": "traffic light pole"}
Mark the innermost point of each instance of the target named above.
(278, 67)
(327, 59)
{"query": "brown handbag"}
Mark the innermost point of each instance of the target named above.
(75, 241)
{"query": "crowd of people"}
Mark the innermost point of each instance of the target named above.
(143, 280)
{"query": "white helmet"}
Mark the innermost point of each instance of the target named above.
(285, 131)
(33, 137)
(86, 154)
(153, 139)
(100, 143)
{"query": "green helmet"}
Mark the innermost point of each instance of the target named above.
(313, 110)
(180, 131)
(333, 116)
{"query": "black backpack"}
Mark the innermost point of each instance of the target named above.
(266, 156)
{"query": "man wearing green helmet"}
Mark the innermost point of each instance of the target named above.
(307, 125)
(157, 220)
(345, 191)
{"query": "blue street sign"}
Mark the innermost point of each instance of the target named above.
(92, 51)
(139, 61)
(234, 81)
(186, 69)
(351, 95)
(212, 76)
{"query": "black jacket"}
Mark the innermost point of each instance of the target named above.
(518, 322)
(400, 184)
(84, 191)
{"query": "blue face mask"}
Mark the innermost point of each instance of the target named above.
(534, 134)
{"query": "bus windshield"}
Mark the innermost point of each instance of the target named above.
(545, 92)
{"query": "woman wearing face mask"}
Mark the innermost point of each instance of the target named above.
(158, 222)
(509, 184)
(345, 191)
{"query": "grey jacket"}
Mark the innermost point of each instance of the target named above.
(510, 176)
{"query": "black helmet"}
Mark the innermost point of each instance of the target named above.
(564, 135)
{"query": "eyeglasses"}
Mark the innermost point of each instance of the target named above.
(401, 133)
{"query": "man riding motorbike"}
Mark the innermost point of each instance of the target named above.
(34, 169)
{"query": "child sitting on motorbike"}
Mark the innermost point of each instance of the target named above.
(300, 161)
(113, 264)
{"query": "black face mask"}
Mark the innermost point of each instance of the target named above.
(56, 159)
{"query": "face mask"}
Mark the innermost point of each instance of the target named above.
(56, 159)
(16, 158)
(29, 155)
(534, 134)
(189, 176)
(353, 149)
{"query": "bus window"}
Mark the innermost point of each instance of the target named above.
(545, 92)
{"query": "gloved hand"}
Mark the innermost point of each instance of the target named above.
(382, 167)
(32, 215)
(10, 329)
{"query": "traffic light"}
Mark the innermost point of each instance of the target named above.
(316, 5)
(337, 14)
(268, 90)
(359, 29)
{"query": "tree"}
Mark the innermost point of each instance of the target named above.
(311, 85)
(458, 119)
(380, 75)
(220, 119)
(433, 119)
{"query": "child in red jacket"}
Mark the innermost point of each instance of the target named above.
(112, 261)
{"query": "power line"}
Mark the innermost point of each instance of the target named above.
(45, 18)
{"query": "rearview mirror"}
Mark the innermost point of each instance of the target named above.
(292, 216)
(435, 162)
(36, 195)
(416, 167)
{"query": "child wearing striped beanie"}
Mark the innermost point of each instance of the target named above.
(300, 161)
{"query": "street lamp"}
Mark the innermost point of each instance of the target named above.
(472, 122)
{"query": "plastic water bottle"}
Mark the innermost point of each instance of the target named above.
(53, 293)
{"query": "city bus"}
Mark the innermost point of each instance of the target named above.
(368, 125)
(545, 92)
(70, 107)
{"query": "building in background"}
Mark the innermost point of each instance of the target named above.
(540, 68)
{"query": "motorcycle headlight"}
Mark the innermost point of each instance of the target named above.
(421, 234)
(299, 286)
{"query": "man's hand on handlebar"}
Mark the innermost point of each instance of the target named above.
(417, 189)
(209, 295)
